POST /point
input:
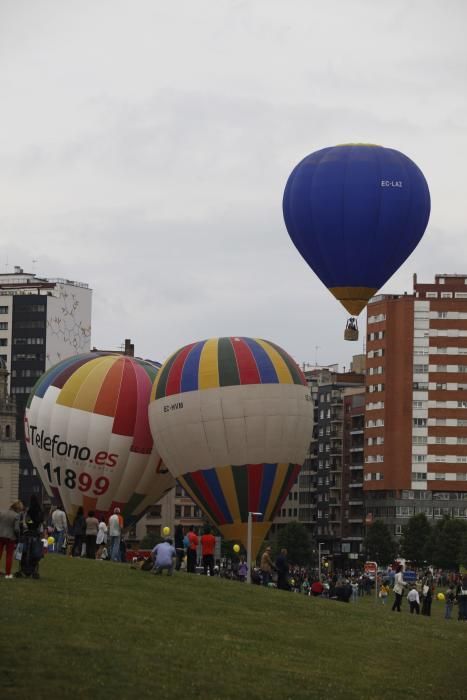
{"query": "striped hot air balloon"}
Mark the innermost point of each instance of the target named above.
(232, 419)
(87, 432)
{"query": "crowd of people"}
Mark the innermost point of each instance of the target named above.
(26, 532)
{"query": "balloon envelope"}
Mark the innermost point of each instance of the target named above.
(87, 433)
(355, 212)
(232, 418)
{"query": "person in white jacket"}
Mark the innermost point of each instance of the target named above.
(101, 539)
(399, 585)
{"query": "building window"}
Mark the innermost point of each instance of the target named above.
(420, 369)
(7, 431)
(187, 511)
(178, 511)
(419, 422)
(440, 440)
(155, 511)
(3, 342)
(3, 309)
(418, 476)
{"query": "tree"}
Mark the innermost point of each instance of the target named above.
(415, 538)
(295, 539)
(379, 544)
(447, 541)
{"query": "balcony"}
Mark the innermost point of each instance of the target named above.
(355, 520)
(354, 467)
(356, 448)
(356, 431)
(356, 503)
(356, 485)
(335, 487)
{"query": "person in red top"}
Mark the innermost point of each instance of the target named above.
(192, 538)
(208, 542)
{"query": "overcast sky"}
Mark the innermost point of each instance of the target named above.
(145, 146)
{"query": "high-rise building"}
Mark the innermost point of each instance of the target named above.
(416, 403)
(42, 321)
(9, 445)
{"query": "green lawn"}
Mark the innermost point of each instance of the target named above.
(101, 630)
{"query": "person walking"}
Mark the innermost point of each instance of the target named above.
(60, 526)
(79, 532)
(266, 566)
(179, 546)
(399, 585)
(413, 600)
(115, 533)
(92, 527)
(9, 534)
(192, 539)
(208, 544)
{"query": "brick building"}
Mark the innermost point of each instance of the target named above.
(416, 403)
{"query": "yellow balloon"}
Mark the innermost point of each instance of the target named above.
(440, 596)
(166, 531)
(236, 548)
(51, 540)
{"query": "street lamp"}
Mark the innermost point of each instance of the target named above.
(320, 544)
(249, 542)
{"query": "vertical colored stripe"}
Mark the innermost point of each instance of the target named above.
(228, 489)
(190, 372)
(210, 476)
(246, 362)
(208, 377)
(266, 369)
(269, 473)
(194, 493)
(289, 480)
(297, 374)
(281, 475)
(198, 482)
(107, 399)
(173, 385)
(48, 378)
(142, 437)
(228, 369)
(158, 390)
(255, 475)
(127, 405)
(240, 477)
(282, 370)
(77, 391)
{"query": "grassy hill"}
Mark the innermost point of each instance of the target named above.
(101, 630)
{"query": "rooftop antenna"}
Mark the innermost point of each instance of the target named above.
(34, 266)
(316, 355)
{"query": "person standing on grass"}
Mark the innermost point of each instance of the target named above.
(208, 543)
(282, 566)
(399, 585)
(427, 592)
(79, 532)
(450, 597)
(32, 525)
(461, 595)
(413, 600)
(266, 566)
(115, 533)
(60, 529)
(9, 533)
(92, 527)
(163, 556)
(192, 538)
(383, 593)
(179, 546)
(101, 539)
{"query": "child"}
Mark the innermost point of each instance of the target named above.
(414, 600)
(384, 592)
(450, 596)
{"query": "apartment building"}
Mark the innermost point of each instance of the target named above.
(416, 403)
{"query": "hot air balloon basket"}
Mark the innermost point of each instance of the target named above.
(351, 334)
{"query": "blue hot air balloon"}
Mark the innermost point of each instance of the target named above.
(355, 212)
